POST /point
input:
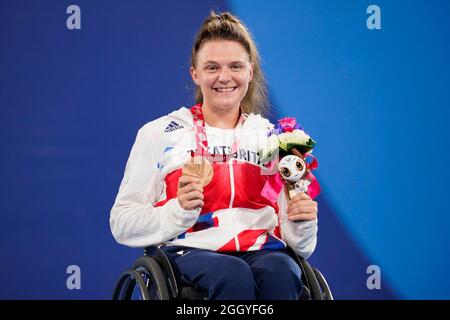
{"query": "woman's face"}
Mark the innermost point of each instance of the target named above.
(223, 73)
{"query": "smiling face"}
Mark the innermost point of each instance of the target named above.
(223, 71)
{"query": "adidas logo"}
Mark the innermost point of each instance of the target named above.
(172, 127)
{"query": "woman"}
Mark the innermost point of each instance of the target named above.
(217, 229)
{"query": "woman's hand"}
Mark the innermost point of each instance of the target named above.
(301, 207)
(190, 193)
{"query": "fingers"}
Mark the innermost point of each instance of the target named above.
(303, 217)
(193, 186)
(193, 195)
(191, 200)
(310, 213)
(303, 213)
(192, 205)
(185, 180)
(301, 207)
(190, 193)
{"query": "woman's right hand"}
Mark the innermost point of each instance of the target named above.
(190, 193)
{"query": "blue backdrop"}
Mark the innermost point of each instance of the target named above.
(376, 101)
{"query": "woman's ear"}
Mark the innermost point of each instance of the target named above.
(251, 72)
(194, 75)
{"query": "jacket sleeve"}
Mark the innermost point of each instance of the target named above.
(133, 220)
(301, 236)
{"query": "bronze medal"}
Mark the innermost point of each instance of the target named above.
(199, 167)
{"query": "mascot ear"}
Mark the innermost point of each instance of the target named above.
(297, 153)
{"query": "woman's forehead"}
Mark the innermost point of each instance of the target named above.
(222, 51)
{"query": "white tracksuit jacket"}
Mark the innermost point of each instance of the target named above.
(235, 216)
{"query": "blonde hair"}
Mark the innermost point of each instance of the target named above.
(226, 26)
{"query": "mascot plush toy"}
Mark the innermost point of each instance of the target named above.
(294, 146)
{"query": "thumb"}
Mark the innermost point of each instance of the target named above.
(300, 196)
(304, 196)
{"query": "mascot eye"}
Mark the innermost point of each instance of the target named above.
(285, 171)
(299, 166)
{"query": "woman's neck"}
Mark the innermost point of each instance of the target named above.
(224, 119)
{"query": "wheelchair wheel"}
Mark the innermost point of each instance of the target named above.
(311, 280)
(126, 284)
(324, 285)
(147, 277)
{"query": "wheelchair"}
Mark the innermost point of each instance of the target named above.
(152, 277)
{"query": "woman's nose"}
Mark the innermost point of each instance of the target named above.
(224, 75)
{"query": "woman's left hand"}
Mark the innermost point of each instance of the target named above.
(301, 207)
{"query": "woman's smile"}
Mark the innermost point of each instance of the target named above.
(225, 90)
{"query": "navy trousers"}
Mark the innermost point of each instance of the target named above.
(252, 275)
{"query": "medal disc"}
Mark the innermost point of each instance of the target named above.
(199, 167)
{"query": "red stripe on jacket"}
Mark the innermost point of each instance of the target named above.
(248, 184)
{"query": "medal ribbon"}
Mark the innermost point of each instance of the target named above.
(201, 140)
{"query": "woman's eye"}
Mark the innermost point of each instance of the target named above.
(236, 67)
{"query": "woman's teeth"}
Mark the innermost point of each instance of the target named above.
(225, 89)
